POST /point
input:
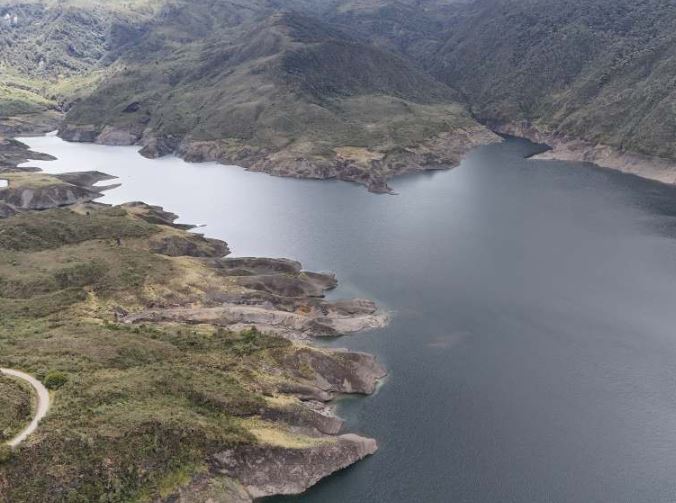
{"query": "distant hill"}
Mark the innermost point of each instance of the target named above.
(278, 92)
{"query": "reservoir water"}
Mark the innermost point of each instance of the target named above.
(532, 349)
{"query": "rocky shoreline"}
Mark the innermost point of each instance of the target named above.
(299, 437)
(359, 165)
(374, 169)
(566, 148)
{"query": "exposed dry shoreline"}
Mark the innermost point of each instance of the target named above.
(375, 169)
(566, 148)
(359, 165)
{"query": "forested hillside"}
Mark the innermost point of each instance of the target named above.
(603, 70)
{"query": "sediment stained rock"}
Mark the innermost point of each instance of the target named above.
(372, 169)
(324, 320)
(270, 470)
(118, 136)
(566, 148)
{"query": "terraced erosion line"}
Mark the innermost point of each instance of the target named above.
(42, 408)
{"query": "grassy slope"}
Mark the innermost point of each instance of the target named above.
(602, 70)
(270, 84)
(15, 407)
(143, 406)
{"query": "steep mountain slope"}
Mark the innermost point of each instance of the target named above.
(281, 93)
(410, 27)
(50, 51)
(600, 70)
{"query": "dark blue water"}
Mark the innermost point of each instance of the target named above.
(533, 345)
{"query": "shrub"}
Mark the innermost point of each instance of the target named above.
(55, 379)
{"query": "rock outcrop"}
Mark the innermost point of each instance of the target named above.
(323, 319)
(192, 245)
(27, 190)
(30, 124)
(273, 295)
(13, 153)
(270, 470)
(117, 136)
(358, 165)
(335, 371)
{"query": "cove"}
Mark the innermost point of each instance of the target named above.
(532, 350)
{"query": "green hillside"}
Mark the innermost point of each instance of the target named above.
(600, 70)
(283, 93)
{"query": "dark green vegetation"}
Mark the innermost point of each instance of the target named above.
(284, 82)
(16, 404)
(49, 50)
(603, 70)
(283, 93)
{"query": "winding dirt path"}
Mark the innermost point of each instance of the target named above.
(42, 409)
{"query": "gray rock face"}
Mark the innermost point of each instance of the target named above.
(288, 286)
(336, 371)
(65, 189)
(42, 198)
(309, 320)
(154, 147)
(79, 133)
(270, 470)
(251, 266)
(117, 136)
(306, 419)
(6, 210)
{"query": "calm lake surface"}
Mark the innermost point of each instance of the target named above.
(533, 345)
